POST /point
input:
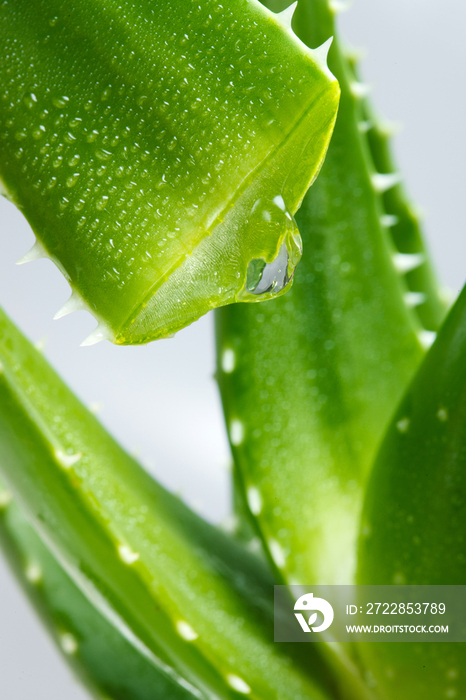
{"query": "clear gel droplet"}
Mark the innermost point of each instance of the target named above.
(271, 222)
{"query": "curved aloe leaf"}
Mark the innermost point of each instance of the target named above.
(414, 521)
(401, 217)
(309, 382)
(159, 151)
(190, 602)
(101, 656)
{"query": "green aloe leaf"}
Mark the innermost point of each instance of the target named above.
(159, 150)
(309, 382)
(414, 520)
(192, 603)
(102, 657)
(403, 220)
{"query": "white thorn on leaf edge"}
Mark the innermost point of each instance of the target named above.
(365, 126)
(339, 6)
(382, 182)
(98, 334)
(389, 220)
(426, 338)
(74, 303)
(413, 299)
(285, 17)
(405, 262)
(359, 90)
(320, 56)
(389, 129)
(35, 253)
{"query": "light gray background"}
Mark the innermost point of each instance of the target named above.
(161, 400)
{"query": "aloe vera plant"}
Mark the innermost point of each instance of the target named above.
(144, 598)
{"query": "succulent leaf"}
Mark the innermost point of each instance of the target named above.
(159, 150)
(414, 518)
(102, 657)
(191, 603)
(312, 379)
(402, 219)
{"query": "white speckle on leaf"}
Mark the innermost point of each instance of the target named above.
(403, 425)
(185, 630)
(65, 460)
(33, 573)
(68, 643)
(277, 553)
(236, 432)
(228, 360)
(127, 555)
(442, 414)
(5, 499)
(254, 500)
(238, 684)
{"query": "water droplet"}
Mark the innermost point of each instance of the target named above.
(102, 203)
(38, 133)
(271, 224)
(30, 100)
(60, 101)
(102, 154)
(72, 180)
